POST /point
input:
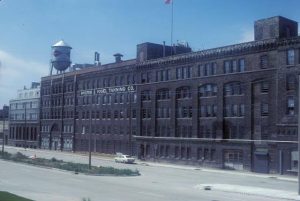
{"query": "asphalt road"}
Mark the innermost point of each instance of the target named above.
(156, 182)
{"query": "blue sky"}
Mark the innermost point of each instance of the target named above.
(30, 27)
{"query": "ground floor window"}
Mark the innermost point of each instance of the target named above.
(233, 159)
(294, 160)
(45, 143)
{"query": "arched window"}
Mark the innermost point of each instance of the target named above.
(208, 90)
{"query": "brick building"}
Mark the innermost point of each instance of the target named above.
(230, 107)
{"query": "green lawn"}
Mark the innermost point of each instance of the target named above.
(5, 196)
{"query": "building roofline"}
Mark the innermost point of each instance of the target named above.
(225, 50)
(277, 16)
(94, 69)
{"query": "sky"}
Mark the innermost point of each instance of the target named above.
(28, 28)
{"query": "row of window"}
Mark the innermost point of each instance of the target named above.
(233, 66)
(234, 110)
(180, 152)
(32, 94)
(184, 131)
(23, 133)
(106, 114)
(29, 116)
(108, 129)
(23, 105)
(107, 82)
(186, 72)
(107, 99)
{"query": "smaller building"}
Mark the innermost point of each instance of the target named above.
(4, 124)
(24, 117)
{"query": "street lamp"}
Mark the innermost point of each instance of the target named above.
(3, 137)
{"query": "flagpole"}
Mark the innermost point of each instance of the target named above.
(172, 1)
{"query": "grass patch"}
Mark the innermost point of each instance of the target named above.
(6, 196)
(70, 166)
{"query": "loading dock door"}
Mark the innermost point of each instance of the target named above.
(261, 161)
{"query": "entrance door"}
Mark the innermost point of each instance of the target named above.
(261, 164)
(142, 152)
(55, 145)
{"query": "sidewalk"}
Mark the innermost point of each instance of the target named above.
(108, 157)
(250, 190)
(233, 172)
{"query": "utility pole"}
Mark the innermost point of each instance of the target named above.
(298, 134)
(25, 137)
(3, 137)
(130, 122)
(90, 134)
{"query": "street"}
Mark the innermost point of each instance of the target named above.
(157, 182)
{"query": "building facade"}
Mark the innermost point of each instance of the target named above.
(24, 117)
(230, 107)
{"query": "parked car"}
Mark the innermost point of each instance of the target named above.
(121, 158)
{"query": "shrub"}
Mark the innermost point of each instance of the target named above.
(76, 167)
(19, 156)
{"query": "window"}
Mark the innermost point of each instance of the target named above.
(116, 99)
(264, 61)
(242, 110)
(214, 110)
(146, 77)
(122, 98)
(208, 90)
(183, 72)
(233, 66)
(294, 160)
(200, 70)
(206, 69)
(233, 156)
(162, 75)
(199, 153)
(233, 88)
(184, 112)
(116, 114)
(208, 111)
(213, 68)
(145, 95)
(291, 105)
(264, 109)
(264, 87)
(291, 57)
(234, 110)
(183, 92)
(291, 82)
(163, 94)
(241, 65)
(227, 67)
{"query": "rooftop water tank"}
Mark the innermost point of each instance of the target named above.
(61, 52)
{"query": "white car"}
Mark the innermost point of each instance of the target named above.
(124, 159)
